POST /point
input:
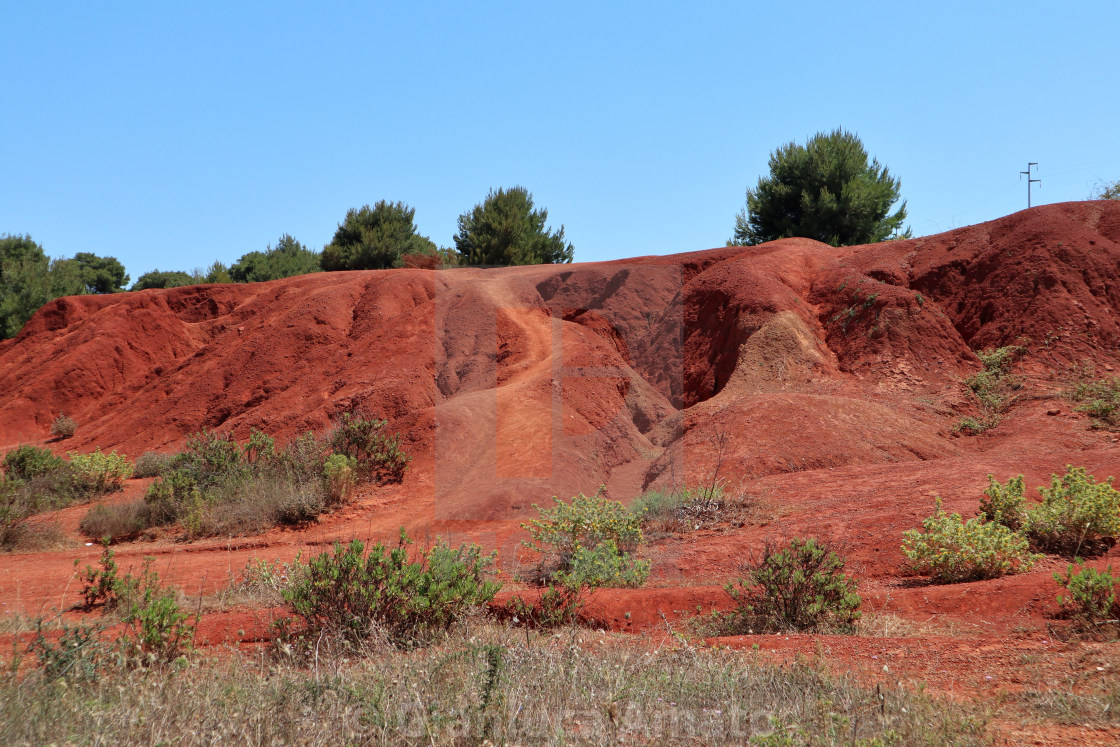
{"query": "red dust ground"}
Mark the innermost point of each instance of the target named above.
(833, 377)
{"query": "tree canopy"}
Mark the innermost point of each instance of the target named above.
(375, 238)
(288, 258)
(100, 274)
(161, 279)
(506, 230)
(827, 190)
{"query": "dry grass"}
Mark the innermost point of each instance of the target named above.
(483, 682)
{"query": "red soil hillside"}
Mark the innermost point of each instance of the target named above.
(511, 385)
(823, 383)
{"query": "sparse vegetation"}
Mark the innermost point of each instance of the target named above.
(801, 586)
(153, 464)
(486, 683)
(1099, 399)
(953, 550)
(64, 427)
(216, 486)
(994, 387)
(101, 473)
(681, 509)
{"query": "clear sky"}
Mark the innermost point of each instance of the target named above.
(171, 134)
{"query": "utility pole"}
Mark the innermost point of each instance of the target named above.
(1029, 181)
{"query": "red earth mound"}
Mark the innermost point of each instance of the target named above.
(822, 383)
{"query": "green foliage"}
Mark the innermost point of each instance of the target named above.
(603, 565)
(506, 230)
(571, 533)
(994, 388)
(28, 462)
(1091, 593)
(287, 259)
(1003, 504)
(1100, 400)
(29, 279)
(102, 586)
(361, 436)
(953, 550)
(681, 509)
(375, 238)
(100, 274)
(77, 655)
(799, 587)
(559, 604)
(341, 474)
(355, 593)
(824, 190)
(155, 628)
(101, 473)
(64, 427)
(162, 279)
(1077, 515)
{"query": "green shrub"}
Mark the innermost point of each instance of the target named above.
(1100, 400)
(119, 522)
(155, 628)
(64, 427)
(800, 587)
(994, 388)
(1077, 515)
(558, 604)
(953, 550)
(101, 586)
(340, 473)
(27, 462)
(603, 565)
(1091, 593)
(360, 437)
(355, 593)
(586, 522)
(101, 473)
(77, 655)
(1003, 504)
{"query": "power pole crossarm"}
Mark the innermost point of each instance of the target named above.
(1030, 181)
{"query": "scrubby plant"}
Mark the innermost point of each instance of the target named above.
(362, 437)
(585, 522)
(76, 655)
(953, 550)
(356, 593)
(1091, 593)
(1003, 504)
(153, 464)
(680, 509)
(994, 388)
(340, 472)
(1100, 400)
(101, 473)
(557, 605)
(28, 462)
(64, 426)
(1077, 515)
(799, 587)
(603, 565)
(156, 629)
(101, 586)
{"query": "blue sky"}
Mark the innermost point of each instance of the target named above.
(173, 134)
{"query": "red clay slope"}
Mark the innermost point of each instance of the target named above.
(511, 385)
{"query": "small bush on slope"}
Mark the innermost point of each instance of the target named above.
(1092, 596)
(953, 550)
(799, 587)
